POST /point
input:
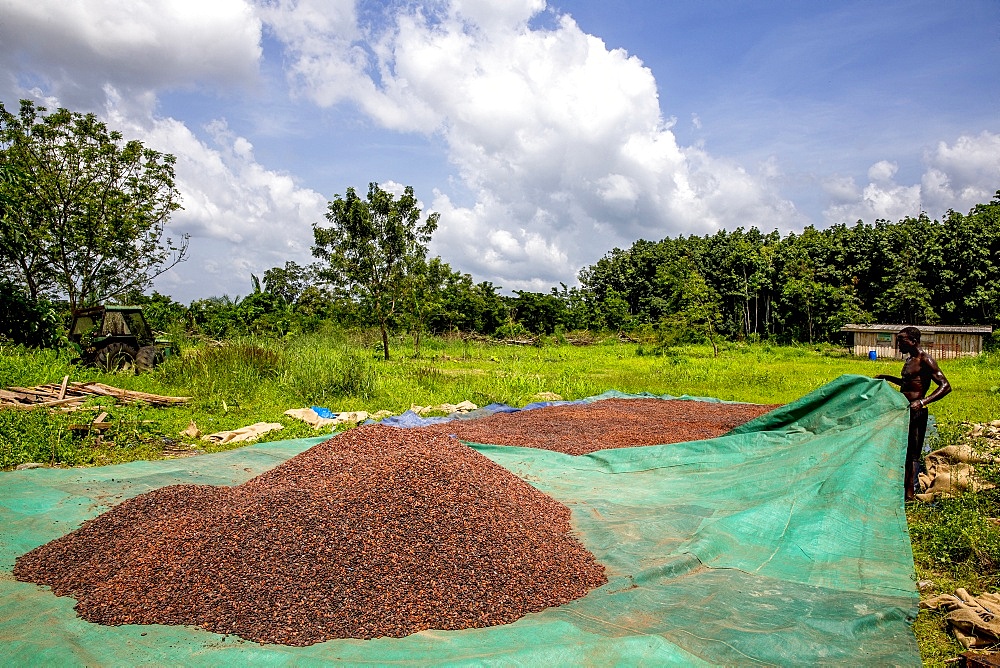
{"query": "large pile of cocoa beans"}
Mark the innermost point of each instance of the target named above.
(377, 532)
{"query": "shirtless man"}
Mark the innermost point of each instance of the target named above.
(919, 370)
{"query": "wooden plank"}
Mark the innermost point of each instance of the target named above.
(16, 396)
(39, 391)
(74, 393)
(45, 404)
(107, 390)
(133, 396)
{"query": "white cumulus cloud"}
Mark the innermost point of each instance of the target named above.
(963, 174)
(243, 218)
(957, 176)
(116, 57)
(557, 146)
(559, 140)
(73, 48)
(883, 170)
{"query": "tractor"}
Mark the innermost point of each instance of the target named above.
(116, 337)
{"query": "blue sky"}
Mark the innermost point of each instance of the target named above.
(545, 134)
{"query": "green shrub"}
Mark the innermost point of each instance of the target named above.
(512, 330)
(26, 321)
(230, 374)
(246, 358)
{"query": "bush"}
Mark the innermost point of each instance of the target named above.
(512, 330)
(39, 436)
(27, 321)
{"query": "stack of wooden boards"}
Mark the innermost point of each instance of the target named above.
(71, 396)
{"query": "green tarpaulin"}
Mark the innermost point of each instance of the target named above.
(783, 542)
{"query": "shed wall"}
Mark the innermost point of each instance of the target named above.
(938, 345)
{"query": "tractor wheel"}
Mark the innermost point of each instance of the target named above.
(115, 355)
(147, 358)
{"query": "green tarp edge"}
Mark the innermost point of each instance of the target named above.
(783, 542)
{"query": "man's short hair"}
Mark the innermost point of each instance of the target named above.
(911, 332)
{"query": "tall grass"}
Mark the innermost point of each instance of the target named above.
(322, 369)
(233, 373)
(252, 379)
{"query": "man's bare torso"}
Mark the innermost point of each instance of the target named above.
(916, 376)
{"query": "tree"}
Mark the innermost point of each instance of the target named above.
(468, 306)
(696, 306)
(537, 312)
(214, 316)
(907, 299)
(370, 244)
(425, 293)
(22, 243)
(968, 288)
(84, 212)
(287, 283)
(263, 312)
(161, 311)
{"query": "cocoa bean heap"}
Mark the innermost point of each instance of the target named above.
(378, 532)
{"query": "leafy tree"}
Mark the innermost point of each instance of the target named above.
(215, 316)
(808, 299)
(615, 315)
(288, 282)
(84, 212)
(968, 287)
(739, 265)
(696, 305)
(575, 309)
(906, 299)
(22, 244)
(630, 278)
(317, 307)
(806, 286)
(537, 312)
(425, 293)
(369, 247)
(262, 312)
(468, 306)
(161, 312)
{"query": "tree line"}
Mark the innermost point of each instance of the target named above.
(83, 215)
(805, 286)
(738, 285)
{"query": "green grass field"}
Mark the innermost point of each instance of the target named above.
(252, 380)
